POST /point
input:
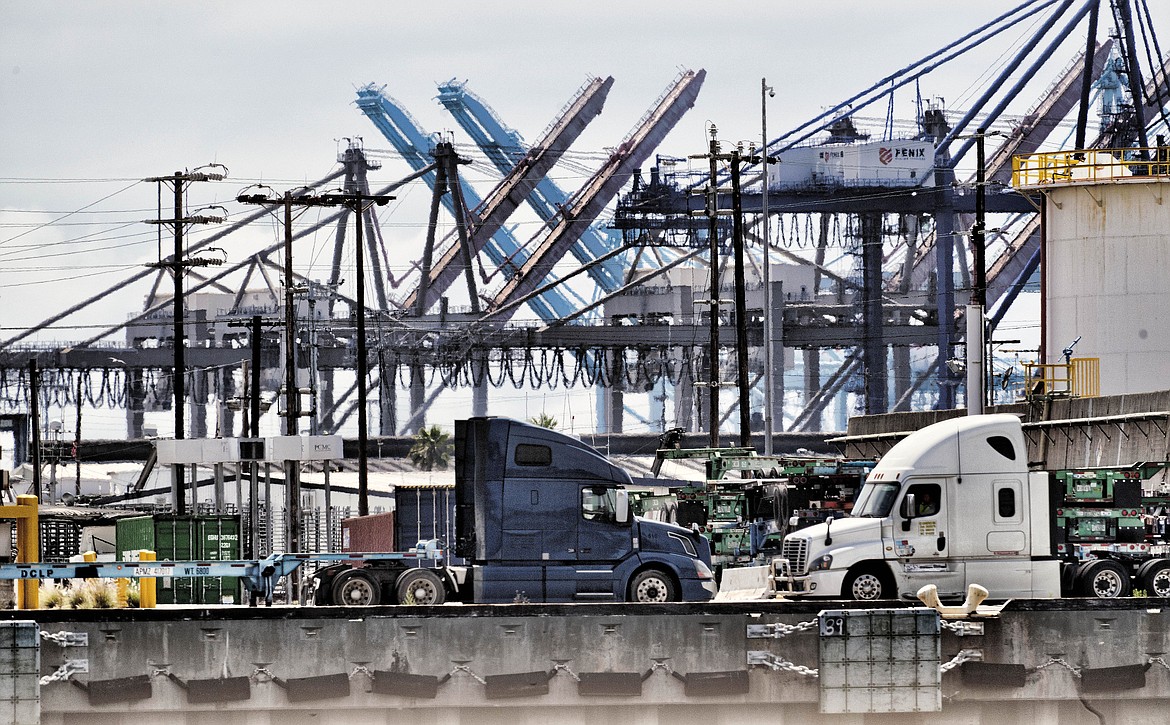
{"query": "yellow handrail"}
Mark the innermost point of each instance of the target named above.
(1089, 165)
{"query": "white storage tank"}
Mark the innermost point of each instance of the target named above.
(1106, 264)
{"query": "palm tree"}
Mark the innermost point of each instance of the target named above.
(544, 420)
(432, 449)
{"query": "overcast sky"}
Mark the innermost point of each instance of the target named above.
(96, 95)
(119, 91)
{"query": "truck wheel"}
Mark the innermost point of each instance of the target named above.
(1103, 579)
(652, 586)
(356, 588)
(867, 585)
(420, 586)
(1155, 578)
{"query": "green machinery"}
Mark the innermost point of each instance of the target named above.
(749, 501)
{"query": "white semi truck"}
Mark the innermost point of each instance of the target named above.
(955, 504)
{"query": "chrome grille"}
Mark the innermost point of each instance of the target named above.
(795, 550)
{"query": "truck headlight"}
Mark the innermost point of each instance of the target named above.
(702, 570)
(821, 563)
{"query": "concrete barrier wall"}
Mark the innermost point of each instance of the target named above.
(727, 663)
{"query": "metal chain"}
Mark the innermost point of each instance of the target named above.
(961, 627)
(661, 665)
(776, 630)
(65, 671)
(779, 663)
(361, 670)
(1158, 661)
(465, 668)
(965, 655)
(1076, 671)
(787, 629)
(563, 667)
(256, 673)
(67, 639)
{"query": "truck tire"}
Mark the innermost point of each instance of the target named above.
(1103, 579)
(868, 584)
(421, 587)
(356, 588)
(652, 586)
(1154, 578)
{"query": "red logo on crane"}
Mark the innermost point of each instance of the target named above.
(885, 155)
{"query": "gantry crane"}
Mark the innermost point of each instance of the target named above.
(505, 148)
(416, 148)
(522, 176)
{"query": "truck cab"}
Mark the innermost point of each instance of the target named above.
(542, 517)
(950, 505)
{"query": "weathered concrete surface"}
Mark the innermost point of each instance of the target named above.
(520, 664)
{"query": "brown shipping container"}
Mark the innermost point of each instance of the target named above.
(368, 533)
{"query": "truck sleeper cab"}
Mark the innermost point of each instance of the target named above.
(952, 504)
(543, 517)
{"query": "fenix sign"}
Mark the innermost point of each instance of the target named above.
(276, 449)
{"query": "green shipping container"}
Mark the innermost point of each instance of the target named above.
(174, 540)
(219, 539)
(197, 538)
(133, 535)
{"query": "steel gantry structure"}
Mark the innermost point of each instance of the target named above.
(901, 296)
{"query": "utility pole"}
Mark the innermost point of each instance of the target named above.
(976, 326)
(358, 203)
(741, 350)
(713, 302)
(177, 263)
(735, 158)
(34, 397)
(766, 91)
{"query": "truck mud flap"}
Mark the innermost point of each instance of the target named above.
(1109, 679)
(617, 684)
(321, 687)
(123, 689)
(523, 684)
(993, 674)
(406, 685)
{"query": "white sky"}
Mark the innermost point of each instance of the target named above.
(97, 95)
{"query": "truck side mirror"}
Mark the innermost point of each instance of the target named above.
(909, 506)
(622, 515)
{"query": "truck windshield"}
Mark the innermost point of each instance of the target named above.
(876, 500)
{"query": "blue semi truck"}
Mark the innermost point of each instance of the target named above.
(539, 517)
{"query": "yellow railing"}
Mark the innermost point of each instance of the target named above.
(1080, 377)
(1089, 165)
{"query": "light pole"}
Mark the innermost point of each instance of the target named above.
(766, 92)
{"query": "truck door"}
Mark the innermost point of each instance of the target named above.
(922, 540)
(602, 543)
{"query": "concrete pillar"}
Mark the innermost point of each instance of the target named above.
(902, 379)
(617, 398)
(387, 396)
(873, 345)
(418, 393)
(135, 402)
(812, 382)
(197, 403)
(479, 382)
(684, 391)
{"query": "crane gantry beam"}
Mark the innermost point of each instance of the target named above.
(517, 185)
(587, 203)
